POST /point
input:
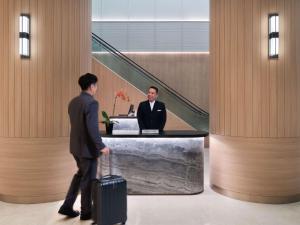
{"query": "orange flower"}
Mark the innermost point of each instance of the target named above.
(122, 95)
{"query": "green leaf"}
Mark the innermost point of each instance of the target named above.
(105, 117)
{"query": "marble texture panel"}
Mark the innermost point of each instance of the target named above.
(154, 165)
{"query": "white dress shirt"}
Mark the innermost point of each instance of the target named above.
(152, 105)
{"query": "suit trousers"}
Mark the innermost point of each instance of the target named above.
(82, 180)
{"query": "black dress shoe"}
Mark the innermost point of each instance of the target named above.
(85, 216)
(68, 212)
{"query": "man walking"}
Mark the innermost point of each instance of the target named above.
(85, 145)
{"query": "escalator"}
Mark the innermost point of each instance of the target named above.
(142, 80)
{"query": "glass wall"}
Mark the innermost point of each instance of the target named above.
(153, 25)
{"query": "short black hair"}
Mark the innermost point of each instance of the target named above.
(86, 80)
(155, 88)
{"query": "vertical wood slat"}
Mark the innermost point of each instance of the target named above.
(2, 53)
(293, 66)
(227, 79)
(65, 55)
(75, 88)
(248, 60)
(57, 75)
(281, 72)
(256, 69)
(273, 84)
(5, 61)
(221, 80)
(289, 73)
(264, 69)
(25, 83)
(41, 68)
(297, 15)
(12, 49)
(49, 69)
(233, 68)
(287, 81)
(241, 69)
(34, 70)
(18, 73)
(212, 108)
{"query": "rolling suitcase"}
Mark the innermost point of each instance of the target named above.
(109, 197)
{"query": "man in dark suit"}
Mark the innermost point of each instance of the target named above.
(85, 145)
(152, 113)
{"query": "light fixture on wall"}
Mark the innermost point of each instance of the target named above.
(273, 35)
(24, 36)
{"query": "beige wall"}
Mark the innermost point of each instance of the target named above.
(186, 73)
(34, 95)
(110, 83)
(254, 101)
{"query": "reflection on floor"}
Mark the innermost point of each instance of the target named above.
(208, 208)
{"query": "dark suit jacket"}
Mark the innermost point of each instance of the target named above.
(155, 119)
(85, 139)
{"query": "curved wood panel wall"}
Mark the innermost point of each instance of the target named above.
(254, 101)
(34, 93)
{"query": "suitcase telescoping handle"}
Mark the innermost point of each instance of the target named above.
(100, 166)
(110, 163)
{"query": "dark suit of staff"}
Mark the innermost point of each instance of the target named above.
(152, 119)
(85, 146)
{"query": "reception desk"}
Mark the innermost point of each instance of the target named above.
(167, 163)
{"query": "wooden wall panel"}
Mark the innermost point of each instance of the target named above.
(256, 169)
(109, 83)
(35, 92)
(213, 74)
(260, 95)
(297, 16)
(240, 78)
(248, 60)
(25, 85)
(281, 75)
(187, 73)
(2, 30)
(220, 88)
(256, 157)
(36, 169)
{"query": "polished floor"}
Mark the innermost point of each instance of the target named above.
(208, 208)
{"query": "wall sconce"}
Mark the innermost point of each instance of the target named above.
(273, 35)
(24, 36)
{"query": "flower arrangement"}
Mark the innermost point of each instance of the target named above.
(106, 119)
(122, 95)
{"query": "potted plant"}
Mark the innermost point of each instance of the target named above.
(108, 123)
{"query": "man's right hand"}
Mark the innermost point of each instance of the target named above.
(105, 151)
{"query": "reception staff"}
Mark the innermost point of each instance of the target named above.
(152, 113)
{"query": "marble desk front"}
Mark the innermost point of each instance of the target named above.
(168, 163)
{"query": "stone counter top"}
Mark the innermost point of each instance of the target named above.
(164, 134)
